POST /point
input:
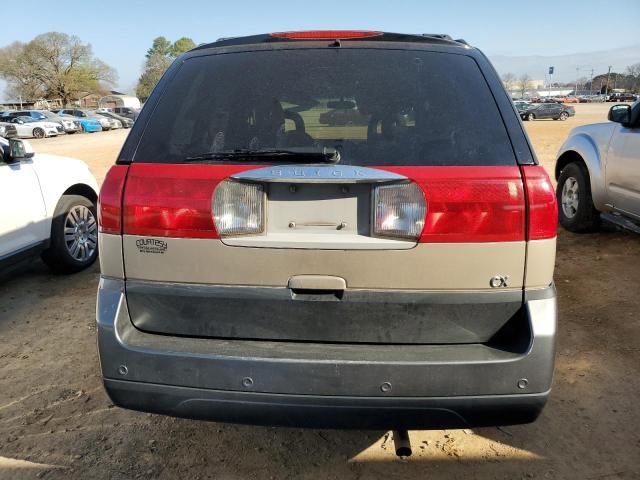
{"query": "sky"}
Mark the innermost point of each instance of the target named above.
(120, 32)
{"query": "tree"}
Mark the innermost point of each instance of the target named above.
(509, 80)
(181, 46)
(159, 58)
(155, 66)
(523, 84)
(53, 65)
(160, 46)
(634, 72)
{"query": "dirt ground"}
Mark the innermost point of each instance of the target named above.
(56, 422)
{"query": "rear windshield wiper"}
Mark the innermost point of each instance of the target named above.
(292, 154)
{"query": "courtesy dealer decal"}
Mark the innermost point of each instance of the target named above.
(151, 245)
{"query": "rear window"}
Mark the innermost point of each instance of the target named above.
(377, 106)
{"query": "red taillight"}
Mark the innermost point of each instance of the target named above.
(542, 203)
(173, 200)
(470, 204)
(326, 34)
(110, 201)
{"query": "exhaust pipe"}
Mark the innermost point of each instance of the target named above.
(402, 443)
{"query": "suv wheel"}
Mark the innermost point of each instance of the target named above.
(531, 117)
(564, 116)
(38, 132)
(74, 235)
(576, 210)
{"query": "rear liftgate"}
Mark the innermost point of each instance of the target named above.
(319, 253)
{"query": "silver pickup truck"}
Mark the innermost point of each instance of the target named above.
(598, 171)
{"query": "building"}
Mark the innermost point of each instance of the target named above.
(119, 100)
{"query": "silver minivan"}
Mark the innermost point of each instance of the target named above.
(329, 229)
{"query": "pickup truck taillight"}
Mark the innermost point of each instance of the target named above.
(110, 200)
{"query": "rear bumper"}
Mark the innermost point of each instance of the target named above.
(326, 385)
(313, 411)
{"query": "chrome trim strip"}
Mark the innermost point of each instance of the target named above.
(318, 174)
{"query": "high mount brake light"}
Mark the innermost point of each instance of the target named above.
(326, 34)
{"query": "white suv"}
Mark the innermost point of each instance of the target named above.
(49, 208)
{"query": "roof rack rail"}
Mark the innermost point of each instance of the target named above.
(461, 40)
(443, 36)
(222, 39)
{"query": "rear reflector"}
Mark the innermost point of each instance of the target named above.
(173, 200)
(110, 200)
(542, 203)
(470, 204)
(326, 34)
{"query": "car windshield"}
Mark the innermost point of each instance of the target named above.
(375, 106)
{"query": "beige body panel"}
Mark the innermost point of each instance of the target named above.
(110, 248)
(434, 266)
(541, 261)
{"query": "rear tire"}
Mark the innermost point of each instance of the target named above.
(531, 117)
(74, 235)
(575, 204)
(38, 132)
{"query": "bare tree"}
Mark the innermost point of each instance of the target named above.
(634, 72)
(509, 80)
(523, 84)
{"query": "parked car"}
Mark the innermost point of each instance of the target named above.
(598, 170)
(388, 275)
(341, 117)
(52, 210)
(66, 125)
(555, 111)
(622, 97)
(36, 115)
(70, 125)
(521, 104)
(87, 124)
(7, 130)
(28, 127)
(127, 112)
(104, 122)
(125, 122)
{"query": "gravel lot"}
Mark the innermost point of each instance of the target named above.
(56, 421)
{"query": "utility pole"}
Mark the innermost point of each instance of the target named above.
(591, 83)
(575, 93)
(606, 90)
(20, 98)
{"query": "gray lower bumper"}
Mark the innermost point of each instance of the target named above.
(324, 385)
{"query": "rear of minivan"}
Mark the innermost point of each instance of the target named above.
(329, 229)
